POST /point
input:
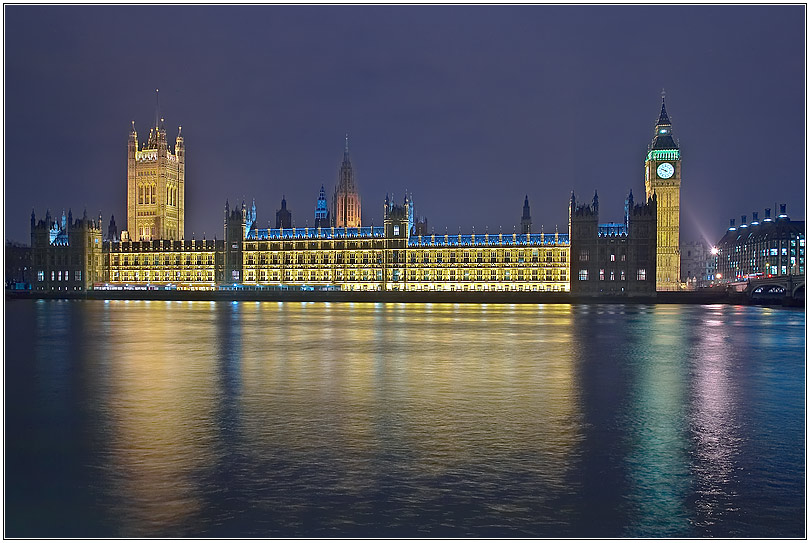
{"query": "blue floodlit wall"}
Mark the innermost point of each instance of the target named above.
(612, 229)
(315, 233)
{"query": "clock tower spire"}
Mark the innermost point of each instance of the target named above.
(663, 178)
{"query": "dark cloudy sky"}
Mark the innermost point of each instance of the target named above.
(469, 108)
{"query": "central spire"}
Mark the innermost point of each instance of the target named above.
(157, 108)
(346, 200)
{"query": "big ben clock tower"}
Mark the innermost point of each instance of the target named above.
(663, 177)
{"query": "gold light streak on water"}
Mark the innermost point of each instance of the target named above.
(475, 381)
(160, 389)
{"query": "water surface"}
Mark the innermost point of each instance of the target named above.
(148, 419)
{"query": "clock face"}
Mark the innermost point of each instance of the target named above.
(665, 170)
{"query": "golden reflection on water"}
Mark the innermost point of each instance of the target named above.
(436, 382)
(424, 389)
(203, 418)
(161, 389)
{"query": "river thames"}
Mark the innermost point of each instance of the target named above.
(217, 419)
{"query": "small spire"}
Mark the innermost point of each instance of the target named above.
(346, 148)
(157, 107)
(663, 118)
(133, 128)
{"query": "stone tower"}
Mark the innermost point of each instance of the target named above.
(322, 211)
(155, 185)
(346, 201)
(663, 178)
(526, 219)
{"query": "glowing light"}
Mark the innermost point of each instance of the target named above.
(715, 250)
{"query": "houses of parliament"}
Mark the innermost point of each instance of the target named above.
(635, 255)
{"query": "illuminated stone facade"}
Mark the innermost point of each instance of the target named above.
(341, 254)
(346, 200)
(183, 265)
(66, 255)
(389, 258)
(155, 186)
(663, 178)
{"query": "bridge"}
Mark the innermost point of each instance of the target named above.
(776, 289)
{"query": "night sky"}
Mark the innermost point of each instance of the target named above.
(468, 108)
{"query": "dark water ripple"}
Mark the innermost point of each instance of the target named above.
(150, 419)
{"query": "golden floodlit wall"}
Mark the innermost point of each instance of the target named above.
(383, 264)
(185, 265)
(367, 258)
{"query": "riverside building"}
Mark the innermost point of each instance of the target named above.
(66, 255)
(340, 253)
(388, 257)
(613, 258)
(766, 248)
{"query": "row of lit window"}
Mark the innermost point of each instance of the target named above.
(159, 259)
(56, 275)
(641, 275)
(487, 287)
(414, 256)
(585, 256)
(177, 275)
(306, 275)
(487, 275)
(493, 256)
(396, 275)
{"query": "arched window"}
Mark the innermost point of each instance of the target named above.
(140, 194)
(168, 196)
(154, 193)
